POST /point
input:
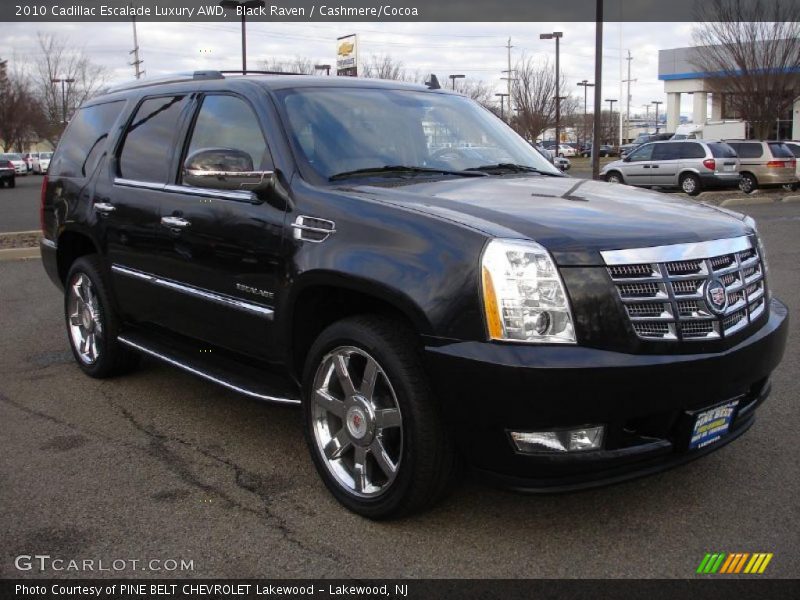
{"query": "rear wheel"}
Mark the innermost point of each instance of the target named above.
(92, 324)
(613, 177)
(690, 184)
(748, 183)
(374, 430)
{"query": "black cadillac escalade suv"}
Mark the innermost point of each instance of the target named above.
(399, 262)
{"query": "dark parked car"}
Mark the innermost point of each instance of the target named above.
(605, 150)
(324, 242)
(7, 173)
(642, 138)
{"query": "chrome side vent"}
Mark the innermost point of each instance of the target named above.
(313, 229)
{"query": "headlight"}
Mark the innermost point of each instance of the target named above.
(524, 298)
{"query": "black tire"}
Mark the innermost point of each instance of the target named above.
(112, 357)
(690, 184)
(12, 183)
(748, 183)
(427, 462)
(614, 177)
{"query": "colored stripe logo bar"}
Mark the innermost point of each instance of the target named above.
(734, 563)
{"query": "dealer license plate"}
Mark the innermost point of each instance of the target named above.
(712, 424)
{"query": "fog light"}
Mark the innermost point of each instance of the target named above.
(564, 440)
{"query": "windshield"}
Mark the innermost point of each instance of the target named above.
(45, 154)
(342, 130)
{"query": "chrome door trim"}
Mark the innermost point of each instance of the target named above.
(209, 193)
(133, 183)
(676, 252)
(227, 301)
(175, 222)
(104, 207)
(181, 365)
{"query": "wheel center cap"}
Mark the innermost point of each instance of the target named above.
(357, 422)
(86, 318)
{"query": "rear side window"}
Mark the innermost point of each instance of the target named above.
(149, 140)
(721, 150)
(780, 151)
(692, 150)
(84, 142)
(748, 150)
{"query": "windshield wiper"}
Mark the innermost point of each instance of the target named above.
(513, 168)
(389, 169)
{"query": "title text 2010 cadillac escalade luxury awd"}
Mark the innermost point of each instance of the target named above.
(400, 263)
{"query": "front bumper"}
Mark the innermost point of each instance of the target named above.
(644, 401)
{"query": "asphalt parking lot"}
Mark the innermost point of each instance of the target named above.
(19, 207)
(161, 465)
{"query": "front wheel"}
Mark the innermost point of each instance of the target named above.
(614, 177)
(373, 427)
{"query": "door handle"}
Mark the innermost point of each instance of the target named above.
(653, 166)
(175, 222)
(104, 207)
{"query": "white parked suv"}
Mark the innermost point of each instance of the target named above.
(691, 165)
(566, 150)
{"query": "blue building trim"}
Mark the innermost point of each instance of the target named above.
(709, 74)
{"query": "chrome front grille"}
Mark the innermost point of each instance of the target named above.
(691, 292)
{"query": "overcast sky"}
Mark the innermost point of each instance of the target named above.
(474, 49)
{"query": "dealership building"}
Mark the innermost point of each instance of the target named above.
(680, 76)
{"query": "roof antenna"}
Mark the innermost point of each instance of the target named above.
(433, 83)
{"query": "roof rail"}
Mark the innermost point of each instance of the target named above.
(251, 72)
(173, 78)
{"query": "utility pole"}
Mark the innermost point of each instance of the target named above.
(137, 62)
(508, 73)
(243, 6)
(628, 97)
(598, 80)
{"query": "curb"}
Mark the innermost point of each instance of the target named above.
(791, 198)
(749, 200)
(19, 254)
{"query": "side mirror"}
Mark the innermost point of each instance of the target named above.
(627, 158)
(224, 169)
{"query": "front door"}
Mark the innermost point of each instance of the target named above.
(220, 251)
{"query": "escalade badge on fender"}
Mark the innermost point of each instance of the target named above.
(716, 297)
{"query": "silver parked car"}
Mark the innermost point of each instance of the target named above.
(691, 166)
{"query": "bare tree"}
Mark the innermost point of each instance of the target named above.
(480, 91)
(58, 60)
(534, 97)
(385, 67)
(751, 49)
(20, 112)
(299, 64)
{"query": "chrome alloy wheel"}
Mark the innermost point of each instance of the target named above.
(356, 423)
(85, 326)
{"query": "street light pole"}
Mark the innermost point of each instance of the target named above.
(502, 98)
(556, 35)
(63, 83)
(657, 102)
(453, 79)
(243, 7)
(611, 111)
(585, 85)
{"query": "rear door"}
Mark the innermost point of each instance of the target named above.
(751, 156)
(637, 166)
(220, 250)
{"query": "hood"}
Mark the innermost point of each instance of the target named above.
(573, 218)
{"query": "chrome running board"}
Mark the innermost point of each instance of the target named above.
(243, 379)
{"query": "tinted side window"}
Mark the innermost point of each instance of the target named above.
(795, 149)
(148, 143)
(722, 150)
(229, 122)
(745, 150)
(692, 150)
(642, 153)
(780, 151)
(666, 151)
(85, 140)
